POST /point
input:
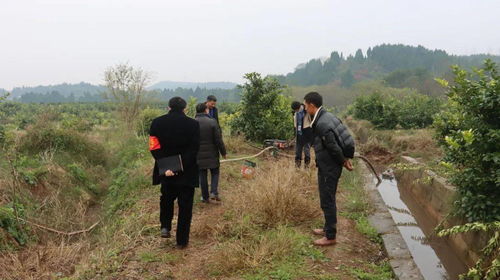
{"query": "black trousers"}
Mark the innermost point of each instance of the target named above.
(214, 182)
(302, 145)
(327, 183)
(184, 196)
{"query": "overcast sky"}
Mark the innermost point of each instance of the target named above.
(54, 41)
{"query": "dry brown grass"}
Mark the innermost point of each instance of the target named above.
(246, 254)
(237, 145)
(278, 195)
(385, 145)
(51, 261)
(53, 201)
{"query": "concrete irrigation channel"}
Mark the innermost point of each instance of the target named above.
(407, 208)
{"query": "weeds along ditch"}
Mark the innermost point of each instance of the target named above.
(54, 173)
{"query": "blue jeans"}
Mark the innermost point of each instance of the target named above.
(214, 184)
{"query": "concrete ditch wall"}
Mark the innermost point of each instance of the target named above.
(435, 196)
(399, 255)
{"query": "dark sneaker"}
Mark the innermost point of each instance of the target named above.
(215, 197)
(165, 233)
(205, 200)
(181, 246)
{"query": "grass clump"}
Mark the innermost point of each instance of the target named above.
(357, 206)
(280, 251)
(275, 198)
(381, 271)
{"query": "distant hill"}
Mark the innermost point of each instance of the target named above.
(66, 90)
(86, 92)
(397, 65)
(192, 85)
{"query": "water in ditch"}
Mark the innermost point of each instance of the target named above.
(435, 259)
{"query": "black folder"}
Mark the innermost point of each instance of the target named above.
(173, 163)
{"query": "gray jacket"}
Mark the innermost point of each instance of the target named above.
(332, 141)
(211, 143)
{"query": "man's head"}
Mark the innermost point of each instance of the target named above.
(177, 104)
(211, 101)
(313, 101)
(296, 106)
(201, 108)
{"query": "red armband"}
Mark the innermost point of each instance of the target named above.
(154, 143)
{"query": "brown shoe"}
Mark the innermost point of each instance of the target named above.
(319, 231)
(324, 242)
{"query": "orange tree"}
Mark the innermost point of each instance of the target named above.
(264, 112)
(469, 132)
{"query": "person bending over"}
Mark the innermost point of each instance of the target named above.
(334, 147)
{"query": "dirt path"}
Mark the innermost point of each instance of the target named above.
(156, 258)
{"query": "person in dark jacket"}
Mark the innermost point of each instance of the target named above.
(213, 112)
(176, 134)
(334, 147)
(211, 146)
(303, 134)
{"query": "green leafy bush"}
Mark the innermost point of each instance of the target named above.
(388, 111)
(76, 123)
(488, 265)
(11, 226)
(48, 136)
(469, 132)
(146, 117)
(264, 111)
(128, 177)
(2, 134)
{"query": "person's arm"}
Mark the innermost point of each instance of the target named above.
(330, 143)
(219, 143)
(154, 142)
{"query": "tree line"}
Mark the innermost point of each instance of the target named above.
(397, 65)
(54, 96)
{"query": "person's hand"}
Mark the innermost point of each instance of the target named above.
(224, 156)
(348, 165)
(169, 173)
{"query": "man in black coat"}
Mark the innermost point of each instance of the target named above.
(211, 146)
(334, 147)
(170, 135)
(213, 112)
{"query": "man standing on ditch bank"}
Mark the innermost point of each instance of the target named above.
(334, 147)
(176, 134)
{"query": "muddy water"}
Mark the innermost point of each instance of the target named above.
(435, 259)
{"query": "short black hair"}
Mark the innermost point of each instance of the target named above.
(177, 104)
(314, 98)
(211, 98)
(201, 108)
(296, 105)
